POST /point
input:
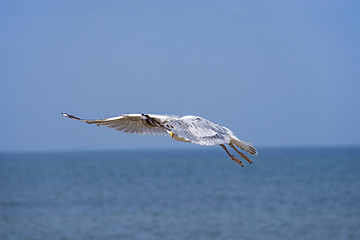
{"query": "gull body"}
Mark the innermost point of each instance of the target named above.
(188, 128)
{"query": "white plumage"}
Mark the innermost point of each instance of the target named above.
(192, 129)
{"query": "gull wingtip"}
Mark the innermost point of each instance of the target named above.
(71, 116)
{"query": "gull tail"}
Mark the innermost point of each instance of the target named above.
(244, 146)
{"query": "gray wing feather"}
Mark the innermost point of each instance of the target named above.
(199, 130)
(130, 123)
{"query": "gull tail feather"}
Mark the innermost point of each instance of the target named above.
(244, 146)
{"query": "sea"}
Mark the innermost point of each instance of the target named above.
(287, 193)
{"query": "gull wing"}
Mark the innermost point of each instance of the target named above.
(132, 123)
(199, 130)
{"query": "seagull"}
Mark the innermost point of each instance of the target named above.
(192, 129)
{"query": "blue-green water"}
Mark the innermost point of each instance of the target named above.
(285, 194)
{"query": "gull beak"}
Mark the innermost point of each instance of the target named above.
(172, 134)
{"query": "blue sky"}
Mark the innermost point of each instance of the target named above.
(278, 73)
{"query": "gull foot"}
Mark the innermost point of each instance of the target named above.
(236, 160)
(245, 157)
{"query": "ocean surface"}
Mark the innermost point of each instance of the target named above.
(193, 194)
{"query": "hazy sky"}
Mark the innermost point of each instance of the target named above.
(278, 73)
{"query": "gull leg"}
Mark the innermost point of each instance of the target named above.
(240, 153)
(231, 156)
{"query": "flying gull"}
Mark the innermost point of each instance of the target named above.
(192, 129)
